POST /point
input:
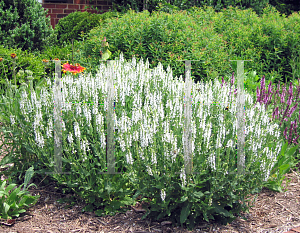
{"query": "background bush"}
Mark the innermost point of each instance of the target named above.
(62, 49)
(92, 21)
(64, 29)
(23, 24)
(286, 7)
(202, 34)
(24, 61)
(169, 5)
(71, 26)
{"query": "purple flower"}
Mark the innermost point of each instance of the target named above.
(222, 81)
(232, 79)
(286, 110)
(292, 110)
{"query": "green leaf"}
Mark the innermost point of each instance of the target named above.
(99, 212)
(17, 212)
(183, 199)
(10, 187)
(6, 207)
(284, 168)
(116, 204)
(106, 55)
(126, 201)
(283, 149)
(185, 212)
(3, 185)
(221, 210)
(272, 185)
(198, 194)
(3, 193)
(28, 176)
(30, 200)
(12, 197)
(292, 150)
(22, 201)
(29, 148)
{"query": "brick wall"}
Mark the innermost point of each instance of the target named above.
(58, 9)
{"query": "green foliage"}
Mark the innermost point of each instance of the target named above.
(163, 5)
(284, 162)
(61, 52)
(256, 5)
(286, 7)
(202, 34)
(23, 24)
(24, 61)
(93, 21)
(64, 29)
(124, 5)
(32, 62)
(13, 202)
(158, 38)
(212, 194)
(71, 26)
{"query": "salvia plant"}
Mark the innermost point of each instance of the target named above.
(149, 139)
(285, 104)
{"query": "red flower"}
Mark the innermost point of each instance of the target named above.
(73, 69)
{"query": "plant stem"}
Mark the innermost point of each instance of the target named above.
(14, 71)
(72, 53)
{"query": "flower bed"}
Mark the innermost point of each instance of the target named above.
(149, 143)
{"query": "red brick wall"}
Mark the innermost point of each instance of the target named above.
(58, 9)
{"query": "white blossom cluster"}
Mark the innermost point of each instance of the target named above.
(149, 115)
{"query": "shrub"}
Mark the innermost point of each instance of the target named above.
(23, 24)
(23, 61)
(201, 34)
(71, 26)
(148, 37)
(64, 29)
(34, 63)
(171, 5)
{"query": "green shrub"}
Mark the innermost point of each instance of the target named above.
(71, 26)
(64, 27)
(170, 5)
(33, 62)
(202, 34)
(23, 24)
(24, 61)
(92, 21)
(161, 37)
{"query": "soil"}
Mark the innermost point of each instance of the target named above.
(273, 212)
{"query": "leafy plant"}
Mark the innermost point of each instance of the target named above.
(283, 109)
(13, 62)
(150, 168)
(153, 156)
(64, 29)
(251, 81)
(71, 26)
(14, 202)
(23, 24)
(210, 38)
(285, 162)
